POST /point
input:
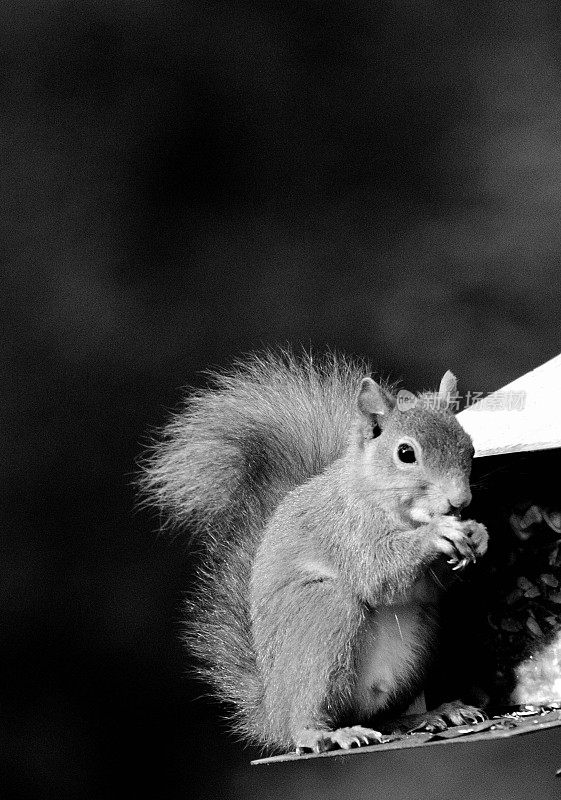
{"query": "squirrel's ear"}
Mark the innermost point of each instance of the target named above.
(448, 387)
(373, 402)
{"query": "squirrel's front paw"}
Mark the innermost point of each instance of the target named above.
(462, 541)
(478, 536)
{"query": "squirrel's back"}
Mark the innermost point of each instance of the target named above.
(220, 469)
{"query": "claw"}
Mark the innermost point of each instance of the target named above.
(461, 564)
(473, 715)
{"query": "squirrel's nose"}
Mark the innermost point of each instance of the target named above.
(460, 497)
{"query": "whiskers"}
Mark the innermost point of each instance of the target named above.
(436, 579)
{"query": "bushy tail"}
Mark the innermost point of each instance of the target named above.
(220, 469)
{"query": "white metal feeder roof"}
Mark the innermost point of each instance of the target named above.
(523, 415)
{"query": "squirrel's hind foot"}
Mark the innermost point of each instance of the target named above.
(318, 741)
(445, 716)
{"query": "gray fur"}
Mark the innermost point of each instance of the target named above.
(297, 505)
(220, 468)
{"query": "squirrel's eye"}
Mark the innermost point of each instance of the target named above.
(406, 454)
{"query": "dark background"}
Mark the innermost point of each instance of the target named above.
(183, 182)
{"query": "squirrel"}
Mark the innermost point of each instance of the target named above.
(329, 516)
